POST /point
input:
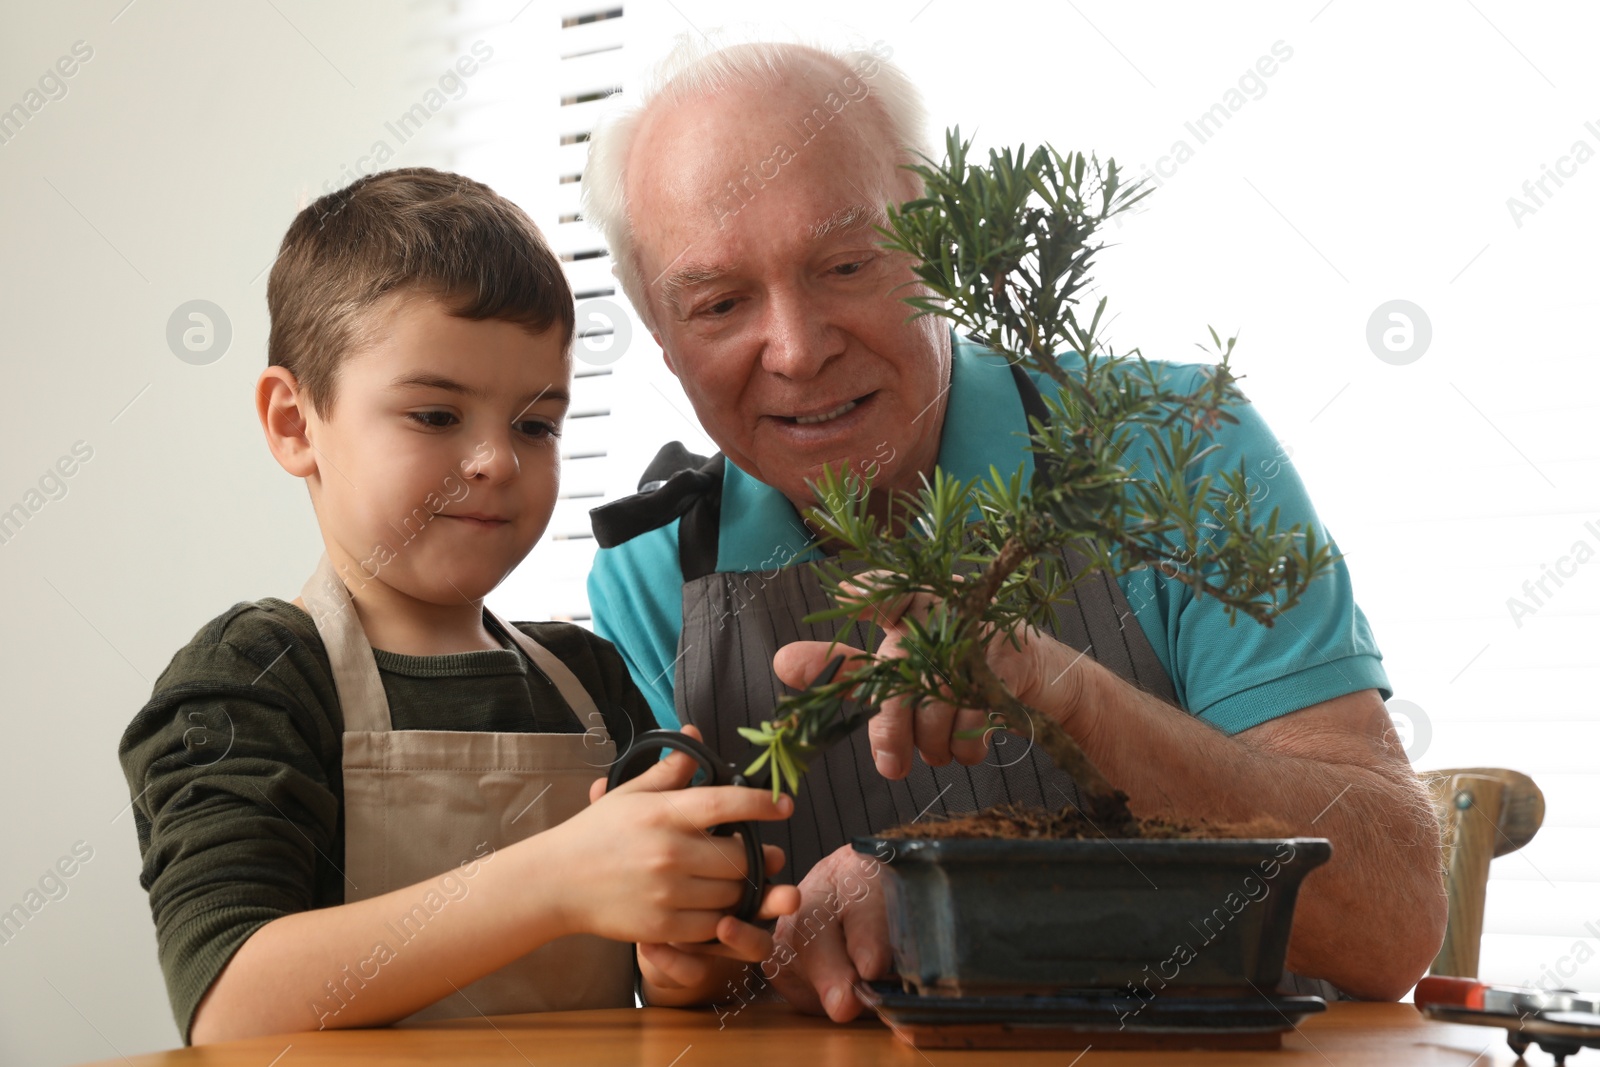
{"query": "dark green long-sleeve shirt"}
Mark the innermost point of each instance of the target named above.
(235, 766)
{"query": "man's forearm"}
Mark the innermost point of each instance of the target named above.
(1372, 918)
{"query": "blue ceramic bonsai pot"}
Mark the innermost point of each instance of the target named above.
(995, 917)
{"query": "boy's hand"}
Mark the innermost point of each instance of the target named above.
(639, 864)
(677, 974)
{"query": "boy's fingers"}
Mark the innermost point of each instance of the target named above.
(713, 893)
(692, 927)
(717, 857)
(773, 856)
(674, 772)
(676, 965)
(779, 900)
(713, 805)
(742, 941)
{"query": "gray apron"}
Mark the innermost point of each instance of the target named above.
(733, 624)
(420, 803)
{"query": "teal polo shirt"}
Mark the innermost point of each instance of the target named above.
(1233, 676)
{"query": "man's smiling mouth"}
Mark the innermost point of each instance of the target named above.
(827, 416)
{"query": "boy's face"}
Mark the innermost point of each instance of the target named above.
(439, 463)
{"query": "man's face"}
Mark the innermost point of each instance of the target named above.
(438, 465)
(773, 302)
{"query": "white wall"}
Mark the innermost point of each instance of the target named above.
(167, 173)
(1376, 166)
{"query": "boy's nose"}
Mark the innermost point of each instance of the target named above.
(492, 459)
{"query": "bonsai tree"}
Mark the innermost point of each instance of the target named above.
(1004, 252)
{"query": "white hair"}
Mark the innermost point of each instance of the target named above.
(698, 65)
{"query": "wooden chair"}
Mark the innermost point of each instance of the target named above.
(1484, 812)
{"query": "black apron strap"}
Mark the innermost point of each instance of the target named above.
(671, 485)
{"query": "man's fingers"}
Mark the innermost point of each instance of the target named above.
(853, 592)
(866, 931)
(828, 969)
(933, 721)
(799, 662)
(969, 750)
(890, 735)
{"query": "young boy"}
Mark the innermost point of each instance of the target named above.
(374, 802)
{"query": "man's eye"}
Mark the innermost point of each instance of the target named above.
(437, 420)
(721, 307)
(850, 268)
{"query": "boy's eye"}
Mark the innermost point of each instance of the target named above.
(437, 420)
(538, 428)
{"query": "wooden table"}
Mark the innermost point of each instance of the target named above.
(771, 1035)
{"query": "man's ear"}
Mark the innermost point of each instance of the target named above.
(666, 357)
(283, 408)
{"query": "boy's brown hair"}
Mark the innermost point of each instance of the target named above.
(414, 229)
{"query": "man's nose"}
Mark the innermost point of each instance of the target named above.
(799, 339)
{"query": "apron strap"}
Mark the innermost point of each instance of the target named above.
(567, 684)
(362, 701)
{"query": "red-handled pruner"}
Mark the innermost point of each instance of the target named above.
(1559, 1021)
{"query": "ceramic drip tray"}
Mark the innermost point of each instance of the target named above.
(1102, 1020)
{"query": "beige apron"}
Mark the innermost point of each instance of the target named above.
(420, 803)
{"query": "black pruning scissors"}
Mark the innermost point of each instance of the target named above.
(646, 750)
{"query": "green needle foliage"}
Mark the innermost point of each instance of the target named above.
(1005, 253)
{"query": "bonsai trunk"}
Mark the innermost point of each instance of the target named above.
(1104, 805)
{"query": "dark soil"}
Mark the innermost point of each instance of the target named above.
(1019, 822)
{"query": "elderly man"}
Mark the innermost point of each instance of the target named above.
(739, 196)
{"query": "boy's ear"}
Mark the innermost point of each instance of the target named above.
(282, 409)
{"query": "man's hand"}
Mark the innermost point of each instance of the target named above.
(839, 936)
(1037, 669)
